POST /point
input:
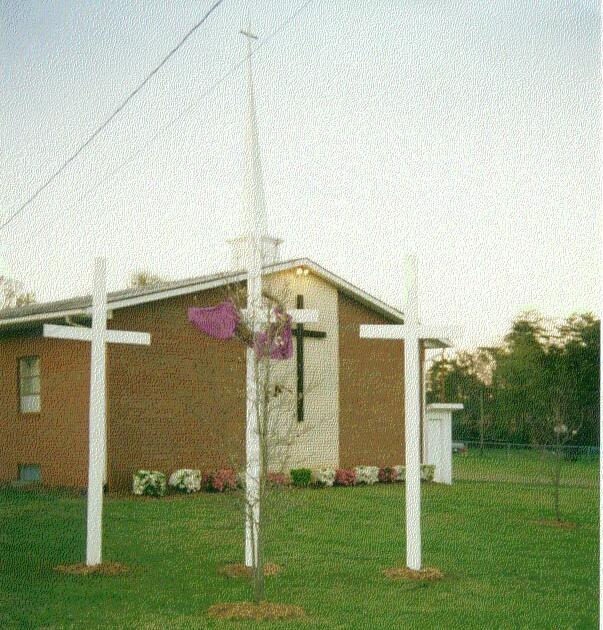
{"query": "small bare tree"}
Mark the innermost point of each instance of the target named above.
(145, 279)
(12, 294)
(552, 435)
(274, 406)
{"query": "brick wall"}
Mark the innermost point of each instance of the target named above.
(57, 437)
(178, 403)
(371, 391)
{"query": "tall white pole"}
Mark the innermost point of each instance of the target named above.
(97, 416)
(255, 211)
(412, 405)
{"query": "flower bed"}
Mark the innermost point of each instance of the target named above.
(387, 475)
(276, 479)
(221, 480)
(149, 483)
(366, 475)
(186, 480)
(323, 477)
(301, 477)
(345, 477)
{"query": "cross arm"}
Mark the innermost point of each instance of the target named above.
(383, 331)
(401, 331)
(85, 334)
(298, 315)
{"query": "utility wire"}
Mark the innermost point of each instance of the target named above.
(186, 110)
(104, 124)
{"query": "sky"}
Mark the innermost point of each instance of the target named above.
(463, 131)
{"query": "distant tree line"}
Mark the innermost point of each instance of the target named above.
(537, 380)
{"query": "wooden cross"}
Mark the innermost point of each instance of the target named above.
(300, 332)
(98, 336)
(413, 333)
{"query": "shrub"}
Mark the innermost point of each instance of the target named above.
(221, 480)
(301, 477)
(427, 472)
(186, 480)
(400, 473)
(323, 477)
(367, 474)
(387, 475)
(278, 479)
(149, 483)
(345, 477)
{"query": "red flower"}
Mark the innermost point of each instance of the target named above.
(345, 477)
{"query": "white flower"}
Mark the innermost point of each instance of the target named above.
(324, 476)
(186, 480)
(367, 474)
(400, 473)
(149, 482)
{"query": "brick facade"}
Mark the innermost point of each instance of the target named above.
(180, 402)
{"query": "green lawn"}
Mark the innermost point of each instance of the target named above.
(526, 466)
(502, 570)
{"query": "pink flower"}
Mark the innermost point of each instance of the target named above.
(345, 477)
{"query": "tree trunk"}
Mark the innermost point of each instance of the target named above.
(557, 479)
(263, 425)
(481, 422)
(258, 586)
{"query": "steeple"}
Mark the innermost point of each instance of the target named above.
(254, 224)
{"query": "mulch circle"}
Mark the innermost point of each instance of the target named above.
(106, 568)
(259, 612)
(555, 523)
(241, 570)
(427, 574)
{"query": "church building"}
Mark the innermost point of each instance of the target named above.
(181, 401)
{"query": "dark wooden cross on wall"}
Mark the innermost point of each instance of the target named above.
(300, 333)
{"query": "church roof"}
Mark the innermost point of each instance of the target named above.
(81, 306)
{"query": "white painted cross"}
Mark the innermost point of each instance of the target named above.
(412, 333)
(98, 336)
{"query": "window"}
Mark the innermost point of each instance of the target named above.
(30, 472)
(29, 384)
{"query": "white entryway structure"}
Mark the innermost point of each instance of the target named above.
(98, 336)
(438, 439)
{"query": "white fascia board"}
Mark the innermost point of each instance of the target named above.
(219, 282)
(166, 294)
(41, 317)
(352, 289)
(44, 316)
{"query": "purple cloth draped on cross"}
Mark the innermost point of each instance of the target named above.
(282, 345)
(220, 322)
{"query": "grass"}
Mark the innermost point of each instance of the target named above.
(501, 570)
(525, 466)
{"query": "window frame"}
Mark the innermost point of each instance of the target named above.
(20, 382)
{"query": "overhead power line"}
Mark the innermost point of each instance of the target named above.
(108, 120)
(186, 110)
